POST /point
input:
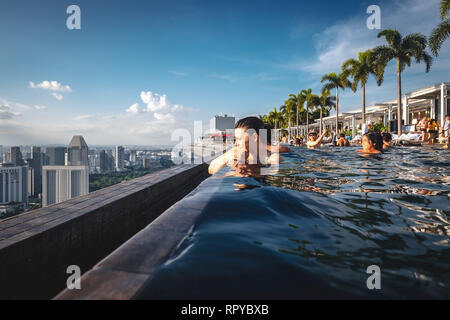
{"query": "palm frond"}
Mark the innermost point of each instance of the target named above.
(444, 8)
(438, 36)
(393, 37)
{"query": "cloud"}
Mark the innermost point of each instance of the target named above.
(154, 101)
(6, 113)
(178, 73)
(57, 96)
(344, 39)
(40, 107)
(162, 116)
(51, 85)
(158, 103)
(226, 77)
(134, 109)
(84, 117)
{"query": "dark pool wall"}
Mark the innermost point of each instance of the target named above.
(37, 247)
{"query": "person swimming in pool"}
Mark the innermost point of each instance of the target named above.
(248, 152)
(387, 140)
(342, 141)
(372, 143)
(314, 141)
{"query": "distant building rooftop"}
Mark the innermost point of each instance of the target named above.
(77, 141)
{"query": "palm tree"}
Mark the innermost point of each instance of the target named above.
(360, 70)
(336, 81)
(287, 109)
(275, 117)
(402, 50)
(309, 98)
(300, 101)
(325, 102)
(442, 30)
(294, 116)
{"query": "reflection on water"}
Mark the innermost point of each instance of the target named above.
(312, 228)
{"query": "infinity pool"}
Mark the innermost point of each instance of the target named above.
(311, 230)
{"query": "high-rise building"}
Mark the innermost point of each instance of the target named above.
(133, 156)
(13, 184)
(64, 182)
(119, 157)
(35, 162)
(61, 183)
(77, 152)
(94, 162)
(31, 182)
(106, 162)
(221, 123)
(54, 156)
(145, 163)
(16, 156)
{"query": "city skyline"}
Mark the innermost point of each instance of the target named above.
(137, 71)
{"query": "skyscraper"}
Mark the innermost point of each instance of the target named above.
(36, 176)
(64, 182)
(119, 156)
(133, 156)
(13, 183)
(54, 156)
(105, 162)
(61, 183)
(77, 152)
(16, 156)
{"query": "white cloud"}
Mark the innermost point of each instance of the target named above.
(162, 116)
(178, 73)
(57, 96)
(344, 39)
(51, 85)
(221, 76)
(6, 113)
(158, 103)
(84, 117)
(154, 101)
(40, 107)
(134, 109)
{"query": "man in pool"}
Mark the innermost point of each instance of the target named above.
(248, 147)
(372, 143)
(387, 140)
(342, 142)
(314, 142)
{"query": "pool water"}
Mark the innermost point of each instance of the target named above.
(313, 228)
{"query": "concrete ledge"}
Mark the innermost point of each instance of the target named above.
(37, 247)
(125, 271)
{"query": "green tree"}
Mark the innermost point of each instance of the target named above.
(336, 81)
(325, 103)
(360, 70)
(300, 109)
(310, 101)
(275, 118)
(442, 30)
(287, 109)
(401, 49)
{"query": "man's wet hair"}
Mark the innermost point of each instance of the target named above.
(376, 139)
(387, 137)
(342, 135)
(256, 124)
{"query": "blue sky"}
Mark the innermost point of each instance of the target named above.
(137, 70)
